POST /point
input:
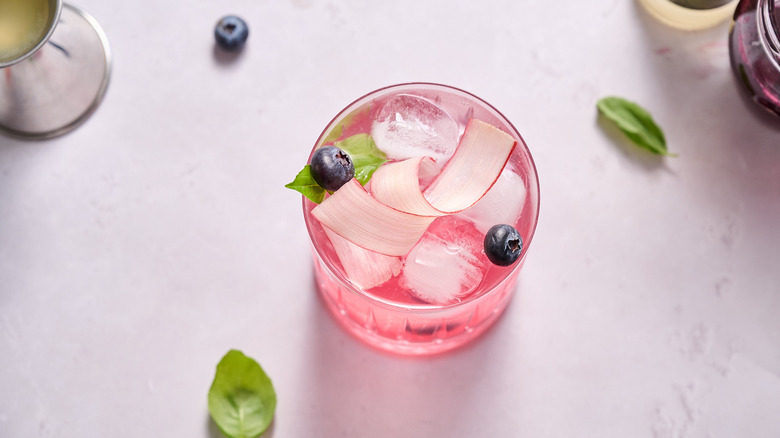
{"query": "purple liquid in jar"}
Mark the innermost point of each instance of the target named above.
(754, 48)
(701, 4)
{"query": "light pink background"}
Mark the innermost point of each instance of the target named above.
(135, 251)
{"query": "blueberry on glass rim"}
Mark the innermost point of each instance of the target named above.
(331, 167)
(231, 32)
(503, 244)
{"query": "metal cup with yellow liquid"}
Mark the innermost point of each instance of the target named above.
(55, 65)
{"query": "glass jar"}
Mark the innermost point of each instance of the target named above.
(754, 48)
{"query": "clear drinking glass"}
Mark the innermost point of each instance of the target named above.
(754, 47)
(55, 65)
(392, 317)
(690, 14)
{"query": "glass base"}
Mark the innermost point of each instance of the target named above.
(61, 85)
(405, 332)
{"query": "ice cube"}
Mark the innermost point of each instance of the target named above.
(409, 126)
(500, 205)
(447, 264)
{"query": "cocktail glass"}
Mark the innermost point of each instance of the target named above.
(53, 81)
(392, 317)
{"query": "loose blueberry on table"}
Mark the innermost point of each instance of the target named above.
(503, 244)
(331, 167)
(231, 32)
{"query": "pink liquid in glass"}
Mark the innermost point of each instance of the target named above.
(447, 292)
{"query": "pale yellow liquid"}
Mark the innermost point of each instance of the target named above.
(23, 23)
(686, 18)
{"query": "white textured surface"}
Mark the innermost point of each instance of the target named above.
(137, 250)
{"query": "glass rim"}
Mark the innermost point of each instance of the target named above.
(506, 276)
(54, 19)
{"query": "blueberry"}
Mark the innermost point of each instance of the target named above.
(231, 32)
(503, 244)
(331, 167)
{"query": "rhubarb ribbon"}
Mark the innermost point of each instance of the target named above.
(394, 216)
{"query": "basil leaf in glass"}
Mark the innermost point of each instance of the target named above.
(356, 117)
(305, 184)
(242, 399)
(364, 154)
(334, 134)
(636, 123)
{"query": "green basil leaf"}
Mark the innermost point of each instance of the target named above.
(334, 134)
(305, 184)
(364, 154)
(636, 123)
(242, 399)
(350, 119)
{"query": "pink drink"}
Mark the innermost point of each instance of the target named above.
(447, 292)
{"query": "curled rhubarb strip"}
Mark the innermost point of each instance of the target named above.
(482, 153)
(477, 163)
(396, 217)
(398, 185)
(366, 269)
(354, 215)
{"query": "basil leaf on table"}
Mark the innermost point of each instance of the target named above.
(242, 399)
(636, 123)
